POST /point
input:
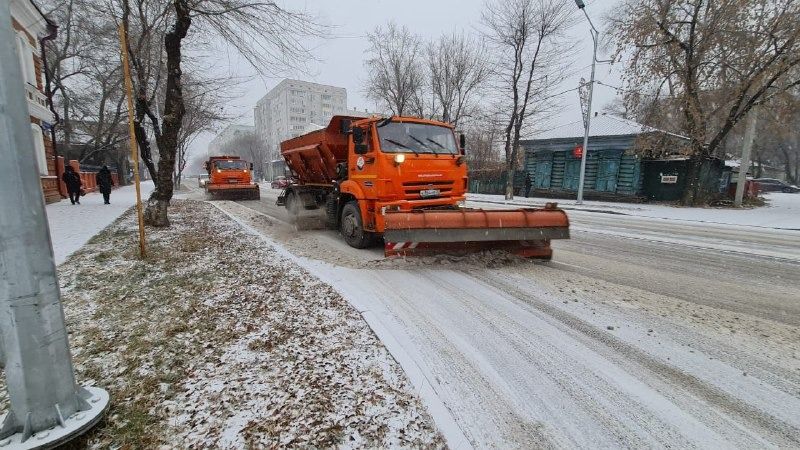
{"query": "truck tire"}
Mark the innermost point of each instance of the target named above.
(331, 213)
(353, 228)
(292, 205)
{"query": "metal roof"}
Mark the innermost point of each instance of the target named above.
(602, 125)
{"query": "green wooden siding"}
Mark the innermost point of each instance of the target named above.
(629, 180)
(608, 170)
(572, 173)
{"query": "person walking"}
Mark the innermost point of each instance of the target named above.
(104, 182)
(73, 182)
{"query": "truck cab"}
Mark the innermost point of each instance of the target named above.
(230, 176)
(402, 164)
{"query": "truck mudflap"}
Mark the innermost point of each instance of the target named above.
(525, 232)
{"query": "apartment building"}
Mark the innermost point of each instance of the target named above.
(291, 107)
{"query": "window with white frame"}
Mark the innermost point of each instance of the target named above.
(38, 147)
(26, 64)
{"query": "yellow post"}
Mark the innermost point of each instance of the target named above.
(134, 148)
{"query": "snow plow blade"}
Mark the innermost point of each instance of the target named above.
(525, 232)
(234, 192)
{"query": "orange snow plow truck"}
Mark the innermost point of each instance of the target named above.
(230, 177)
(405, 179)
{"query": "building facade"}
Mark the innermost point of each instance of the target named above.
(230, 134)
(614, 168)
(292, 107)
(30, 27)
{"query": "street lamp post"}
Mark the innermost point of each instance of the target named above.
(46, 405)
(587, 124)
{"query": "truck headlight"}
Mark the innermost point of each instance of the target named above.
(399, 158)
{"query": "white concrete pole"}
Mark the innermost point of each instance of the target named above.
(47, 406)
(744, 163)
(585, 152)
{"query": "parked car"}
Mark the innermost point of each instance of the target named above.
(279, 183)
(202, 180)
(775, 185)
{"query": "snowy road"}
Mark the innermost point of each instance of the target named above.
(639, 333)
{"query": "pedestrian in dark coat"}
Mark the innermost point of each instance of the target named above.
(104, 182)
(73, 182)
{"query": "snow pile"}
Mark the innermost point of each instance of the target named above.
(217, 341)
(782, 210)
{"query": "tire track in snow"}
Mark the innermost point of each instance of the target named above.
(457, 365)
(629, 356)
(586, 401)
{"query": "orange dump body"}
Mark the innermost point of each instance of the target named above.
(230, 177)
(411, 189)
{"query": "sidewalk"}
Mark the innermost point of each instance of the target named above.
(71, 226)
(782, 211)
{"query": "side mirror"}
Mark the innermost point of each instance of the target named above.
(462, 143)
(358, 135)
(361, 149)
(251, 166)
(206, 165)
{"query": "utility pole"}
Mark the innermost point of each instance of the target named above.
(123, 35)
(744, 163)
(595, 35)
(47, 407)
(588, 123)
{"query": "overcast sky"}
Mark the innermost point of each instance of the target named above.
(339, 58)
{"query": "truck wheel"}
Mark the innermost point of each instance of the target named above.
(353, 227)
(331, 213)
(292, 205)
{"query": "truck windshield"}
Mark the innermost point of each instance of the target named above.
(400, 137)
(231, 165)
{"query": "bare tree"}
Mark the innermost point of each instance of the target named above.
(530, 47)
(264, 33)
(395, 73)
(203, 112)
(740, 52)
(249, 147)
(85, 82)
(485, 141)
(778, 136)
(457, 70)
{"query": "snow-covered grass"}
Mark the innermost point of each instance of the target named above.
(782, 211)
(217, 341)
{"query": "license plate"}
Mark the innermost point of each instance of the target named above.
(428, 193)
(233, 181)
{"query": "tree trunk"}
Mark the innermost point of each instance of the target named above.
(696, 193)
(509, 182)
(145, 152)
(509, 195)
(787, 165)
(157, 206)
(155, 212)
(757, 169)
